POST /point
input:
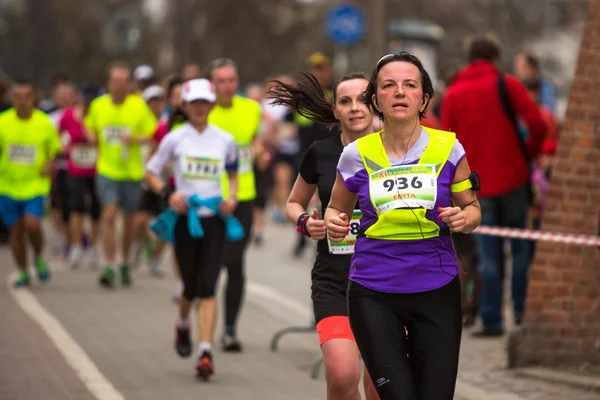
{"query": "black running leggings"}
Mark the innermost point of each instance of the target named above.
(234, 259)
(422, 365)
(199, 259)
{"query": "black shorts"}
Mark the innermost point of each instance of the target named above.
(264, 183)
(235, 251)
(59, 193)
(84, 196)
(199, 259)
(151, 203)
(329, 285)
(288, 159)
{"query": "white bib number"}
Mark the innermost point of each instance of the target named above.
(113, 134)
(24, 154)
(408, 186)
(84, 156)
(346, 246)
(245, 159)
(196, 168)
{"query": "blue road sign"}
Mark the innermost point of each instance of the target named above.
(345, 24)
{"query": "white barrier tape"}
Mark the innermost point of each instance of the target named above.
(514, 233)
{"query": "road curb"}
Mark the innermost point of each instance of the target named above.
(468, 391)
(585, 382)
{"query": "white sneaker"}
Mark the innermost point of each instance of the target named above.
(94, 258)
(59, 246)
(135, 255)
(156, 270)
(177, 292)
(75, 256)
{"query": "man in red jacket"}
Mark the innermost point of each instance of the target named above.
(473, 108)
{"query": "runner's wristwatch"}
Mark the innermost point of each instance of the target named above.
(301, 224)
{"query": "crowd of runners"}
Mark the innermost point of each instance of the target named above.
(371, 166)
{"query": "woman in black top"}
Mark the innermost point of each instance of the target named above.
(318, 171)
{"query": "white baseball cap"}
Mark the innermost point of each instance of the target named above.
(153, 92)
(198, 89)
(143, 72)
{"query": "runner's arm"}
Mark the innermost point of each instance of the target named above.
(342, 200)
(233, 184)
(299, 199)
(466, 199)
(157, 163)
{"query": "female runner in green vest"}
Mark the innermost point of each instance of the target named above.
(414, 187)
(347, 110)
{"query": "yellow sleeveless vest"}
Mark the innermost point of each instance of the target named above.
(404, 224)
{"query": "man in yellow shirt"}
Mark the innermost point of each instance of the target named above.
(120, 123)
(241, 117)
(29, 142)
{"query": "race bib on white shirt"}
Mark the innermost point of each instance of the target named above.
(346, 246)
(24, 154)
(197, 168)
(407, 186)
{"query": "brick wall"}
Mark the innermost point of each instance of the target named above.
(562, 323)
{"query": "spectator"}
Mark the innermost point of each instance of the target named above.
(473, 108)
(191, 71)
(527, 67)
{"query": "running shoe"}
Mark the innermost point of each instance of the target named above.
(279, 217)
(177, 293)
(125, 275)
(107, 278)
(156, 270)
(205, 367)
(94, 258)
(74, 257)
(231, 344)
(183, 343)
(22, 279)
(43, 272)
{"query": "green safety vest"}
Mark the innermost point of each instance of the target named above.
(408, 223)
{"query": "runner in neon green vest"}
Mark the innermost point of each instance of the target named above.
(241, 117)
(414, 187)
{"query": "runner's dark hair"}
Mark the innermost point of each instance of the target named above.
(404, 56)
(177, 115)
(307, 97)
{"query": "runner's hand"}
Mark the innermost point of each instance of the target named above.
(178, 202)
(454, 217)
(315, 226)
(128, 139)
(263, 160)
(47, 169)
(227, 207)
(338, 227)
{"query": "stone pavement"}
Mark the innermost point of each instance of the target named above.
(128, 335)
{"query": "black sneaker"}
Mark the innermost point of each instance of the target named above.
(488, 333)
(183, 343)
(231, 344)
(125, 275)
(205, 367)
(107, 278)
